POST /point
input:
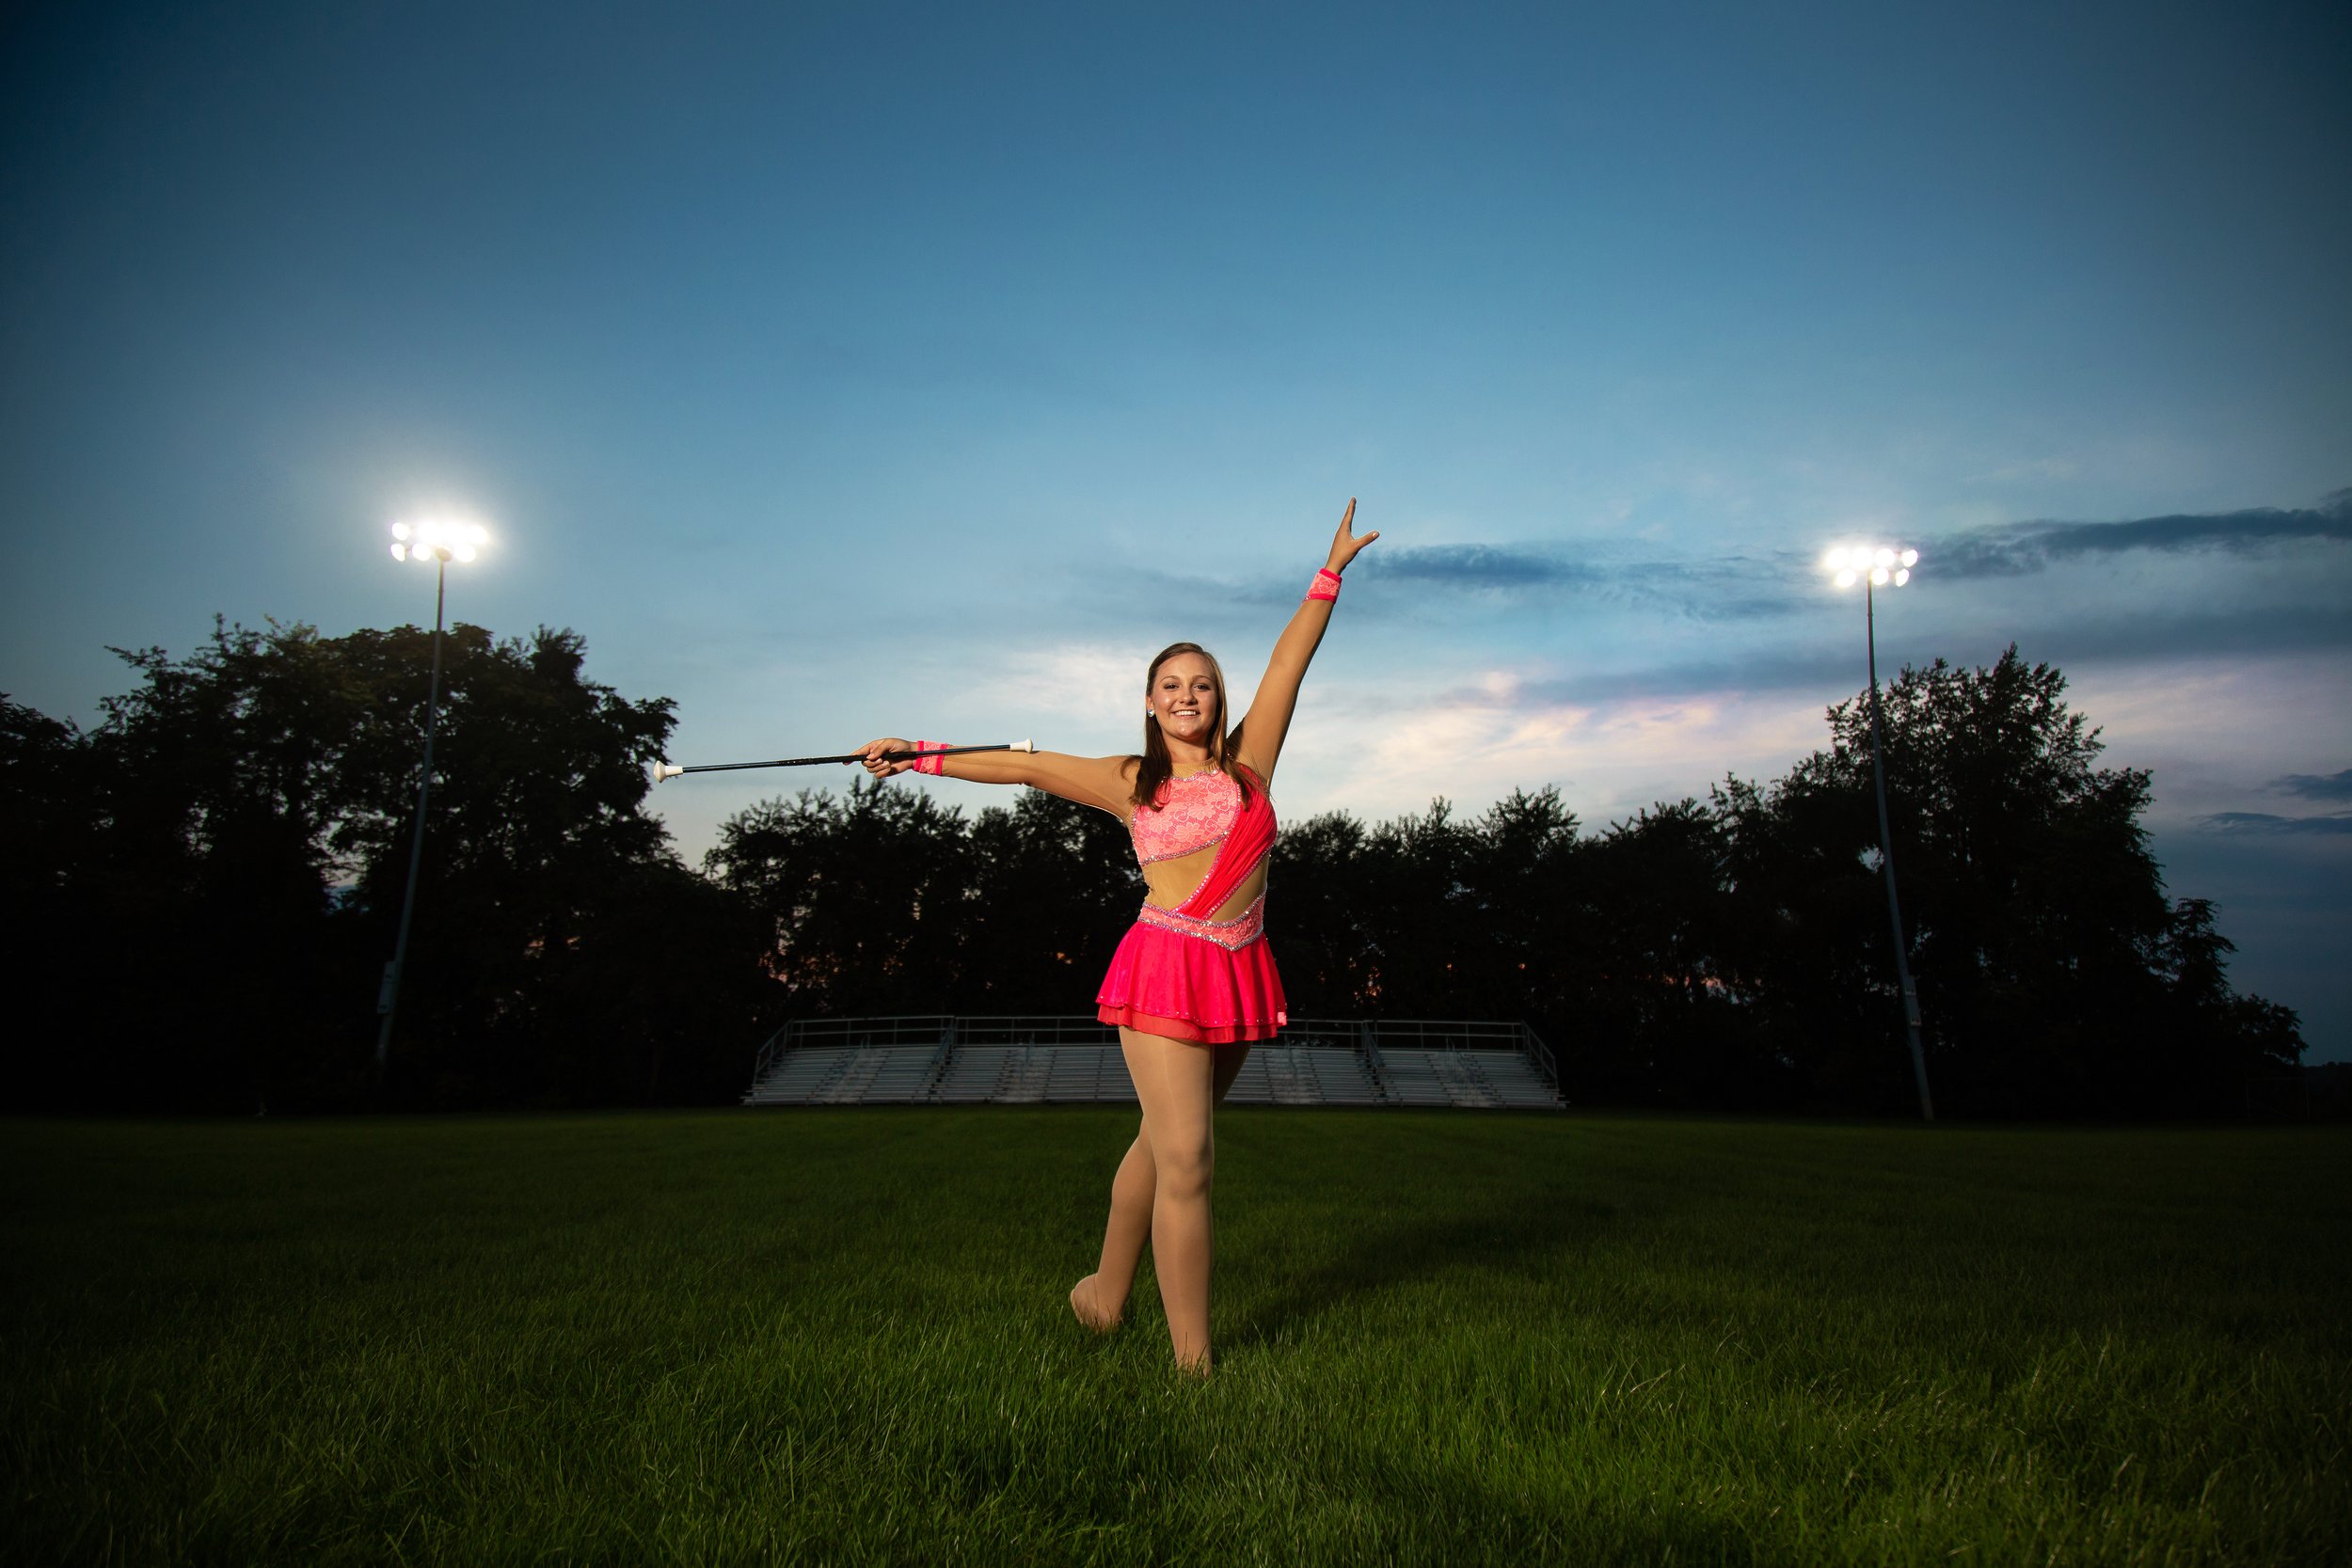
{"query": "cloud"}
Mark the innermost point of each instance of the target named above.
(1774, 670)
(1483, 566)
(2120, 633)
(1729, 588)
(2316, 786)
(2263, 822)
(1377, 754)
(2018, 548)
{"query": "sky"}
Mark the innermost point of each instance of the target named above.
(842, 371)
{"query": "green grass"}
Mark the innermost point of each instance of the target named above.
(840, 1336)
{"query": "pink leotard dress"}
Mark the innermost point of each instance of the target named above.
(1178, 972)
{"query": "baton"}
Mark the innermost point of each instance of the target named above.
(663, 771)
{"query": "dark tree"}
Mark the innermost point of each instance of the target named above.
(237, 849)
(537, 826)
(1806, 944)
(60, 953)
(2208, 1045)
(863, 896)
(1654, 964)
(1321, 890)
(1054, 887)
(214, 983)
(658, 998)
(1416, 914)
(2041, 940)
(1524, 888)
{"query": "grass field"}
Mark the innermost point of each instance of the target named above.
(839, 1335)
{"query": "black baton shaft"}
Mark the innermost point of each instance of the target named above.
(846, 757)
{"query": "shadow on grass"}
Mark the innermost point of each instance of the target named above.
(1516, 1234)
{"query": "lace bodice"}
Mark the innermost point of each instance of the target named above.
(1196, 811)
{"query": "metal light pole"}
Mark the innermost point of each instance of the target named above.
(1877, 568)
(437, 542)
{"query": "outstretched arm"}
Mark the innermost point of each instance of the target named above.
(1269, 716)
(1090, 780)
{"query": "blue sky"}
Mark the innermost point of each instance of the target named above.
(842, 370)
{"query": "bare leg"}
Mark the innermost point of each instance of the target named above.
(1178, 1083)
(1100, 1298)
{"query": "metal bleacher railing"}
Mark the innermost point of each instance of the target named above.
(942, 1059)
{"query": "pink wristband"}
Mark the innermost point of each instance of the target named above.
(1325, 586)
(929, 764)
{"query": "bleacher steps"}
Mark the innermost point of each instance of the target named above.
(972, 1061)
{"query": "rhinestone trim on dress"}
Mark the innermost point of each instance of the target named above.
(1229, 934)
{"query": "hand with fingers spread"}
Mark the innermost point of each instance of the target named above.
(1345, 543)
(873, 751)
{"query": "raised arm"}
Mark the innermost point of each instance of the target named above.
(1269, 716)
(1090, 780)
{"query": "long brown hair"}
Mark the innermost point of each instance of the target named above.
(1158, 765)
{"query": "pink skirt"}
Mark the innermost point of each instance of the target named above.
(1188, 987)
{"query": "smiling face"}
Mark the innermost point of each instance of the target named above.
(1183, 698)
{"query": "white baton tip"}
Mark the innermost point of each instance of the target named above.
(1023, 746)
(662, 770)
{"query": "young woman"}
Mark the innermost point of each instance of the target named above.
(1192, 983)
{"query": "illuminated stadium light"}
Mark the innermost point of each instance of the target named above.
(438, 539)
(1883, 564)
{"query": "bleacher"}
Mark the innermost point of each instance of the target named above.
(935, 1060)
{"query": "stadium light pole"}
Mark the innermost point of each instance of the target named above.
(439, 543)
(1881, 566)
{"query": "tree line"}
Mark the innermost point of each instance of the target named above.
(207, 883)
